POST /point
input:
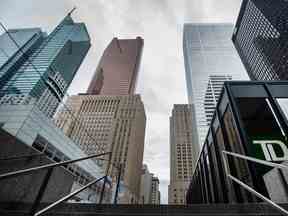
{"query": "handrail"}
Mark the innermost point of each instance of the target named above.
(247, 187)
(68, 196)
(29, 170)
(280, 166)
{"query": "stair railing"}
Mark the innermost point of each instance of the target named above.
(68, 196)
(49, 167)
(247, 187)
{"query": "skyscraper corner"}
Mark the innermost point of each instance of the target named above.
(260, 37)
(42, 67)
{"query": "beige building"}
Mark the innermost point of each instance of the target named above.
(109, 123)
(183, 154)
(149, 191)
(155, 193)
(146, 185)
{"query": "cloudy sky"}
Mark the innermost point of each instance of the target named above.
(161, 79)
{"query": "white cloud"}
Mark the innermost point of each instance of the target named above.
(161, 79)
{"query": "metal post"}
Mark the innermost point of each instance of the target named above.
(103, 190)
(105, 179)
(41, 192)
(118, 184)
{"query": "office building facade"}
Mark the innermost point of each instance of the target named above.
(27, 39)
(183, 155)
(145, 189)
(42, 67)
(208, 51)
(250, 119)
(118, 68)
(26, 130)
(155, 193)
(260, 37)
(213, 91)
(114, 123)
(149, 191)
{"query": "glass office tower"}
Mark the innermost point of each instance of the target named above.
(208, 51)
(56, 60)
(25, 38)
(13, 55)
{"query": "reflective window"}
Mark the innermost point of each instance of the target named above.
(283, 103)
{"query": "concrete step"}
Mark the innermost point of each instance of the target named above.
(76, 209)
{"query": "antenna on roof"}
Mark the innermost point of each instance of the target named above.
(118, 44)
(73, 9)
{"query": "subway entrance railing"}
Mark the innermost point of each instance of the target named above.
(50, 167)
(247, 187)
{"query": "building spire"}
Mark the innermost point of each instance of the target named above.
(71, 11)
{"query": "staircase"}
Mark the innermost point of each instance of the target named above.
(60, 208)
(76, 209)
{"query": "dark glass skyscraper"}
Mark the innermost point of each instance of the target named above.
(117, 71)
(55, 58)
(260, 37)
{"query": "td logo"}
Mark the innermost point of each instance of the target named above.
(268, 148)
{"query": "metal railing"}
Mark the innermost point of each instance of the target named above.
(68, 196)
(50, 167)
(247, 187)
(57, 164)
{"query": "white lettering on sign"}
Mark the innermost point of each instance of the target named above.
(269, 152)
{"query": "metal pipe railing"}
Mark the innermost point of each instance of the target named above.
(45, 183)
(247, 187)
(33, 169)
(267, 163)
(67, 197)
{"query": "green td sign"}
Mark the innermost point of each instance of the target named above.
(272, 150)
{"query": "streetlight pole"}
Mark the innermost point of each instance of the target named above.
(105, 179)
(118, 183)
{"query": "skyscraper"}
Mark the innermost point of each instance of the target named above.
(146, 182)
(25, 38)
(110, 124)
(118, 68)
(15, 45)
(260, 37)
(213, 91)
(183, 155)
(149, 190)
(155, 195)
(208, 51)
(41, 74)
